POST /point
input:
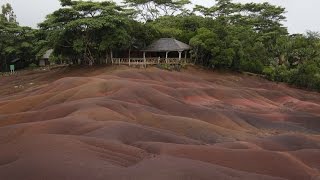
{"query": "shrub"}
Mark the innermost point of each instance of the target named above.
(278, 73)
(307, 75)
(269, 72)
(282, 74)
(33, 66)
(253, 66)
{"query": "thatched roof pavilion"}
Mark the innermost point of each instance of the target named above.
(167, 45)
(159, 47)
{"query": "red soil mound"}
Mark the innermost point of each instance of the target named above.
(153, 124)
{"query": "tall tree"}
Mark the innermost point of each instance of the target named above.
(16, 42)
(87, 30)
(259, 23)
(152, 9)
(7, 13)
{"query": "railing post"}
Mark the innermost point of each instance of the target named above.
(144, 59)
(167, 57)
(185, 57)
(129, 56)
(180, 52)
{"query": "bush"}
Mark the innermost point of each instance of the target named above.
(292, 75)
(165, 67)
(307, 75)
(33, 66)
(176, 67)
(224, 58)
(278, 73)
(282, 74)
(269, 72)
(253, 66)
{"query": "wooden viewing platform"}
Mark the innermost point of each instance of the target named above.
(148, 61)
(163, 47)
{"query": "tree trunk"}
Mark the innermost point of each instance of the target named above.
(111, 56)
(5, 64)
(130, 56)
(107, 57)
(281, 59)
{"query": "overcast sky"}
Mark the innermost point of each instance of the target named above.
(302, 15)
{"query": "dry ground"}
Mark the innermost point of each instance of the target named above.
(121, 123)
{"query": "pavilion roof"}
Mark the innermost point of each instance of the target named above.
(167, 45)
(47, 54)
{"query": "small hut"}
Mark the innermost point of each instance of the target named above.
(17, 64)
(44, 61)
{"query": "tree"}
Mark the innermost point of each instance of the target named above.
(7, 14)
(148, 10)
(248, 34)
(204, 42)
(16, 42)
(87, 30)
(303, 47)
(179, 27)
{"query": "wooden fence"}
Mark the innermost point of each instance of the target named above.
(148, 61)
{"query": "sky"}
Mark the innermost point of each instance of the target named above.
(301, 15)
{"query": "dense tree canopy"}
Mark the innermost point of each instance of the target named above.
(243, 37)
(16, 42)
(152, 9)
(85, 29)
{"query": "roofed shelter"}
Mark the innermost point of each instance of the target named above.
(167, 45)
(45, 58)
(161, 48)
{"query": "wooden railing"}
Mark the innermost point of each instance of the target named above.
(149, 61)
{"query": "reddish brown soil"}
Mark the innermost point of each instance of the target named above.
(121, 123)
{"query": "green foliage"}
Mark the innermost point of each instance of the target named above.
(165, 67)
(55, 59)
(33, 66)
(279, 73)
(179, 27)
(149, 10)
(307, 75)
(204, 42)
(250, 37)
(253, 65)
(7, 13)
(170, 67)
(16, 42)
(87, 30)
(254, 58)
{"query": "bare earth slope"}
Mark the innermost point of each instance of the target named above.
(152, 124)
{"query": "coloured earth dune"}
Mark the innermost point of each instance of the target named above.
(152, 124)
